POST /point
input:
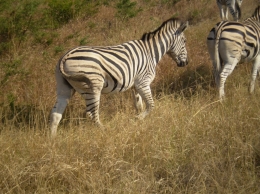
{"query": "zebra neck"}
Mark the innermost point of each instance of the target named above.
(157, 46)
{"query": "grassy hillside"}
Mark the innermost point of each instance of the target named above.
(191, 143)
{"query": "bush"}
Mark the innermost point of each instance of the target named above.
(16, 19)
(62, 11)
(10, 69)
(127, 9)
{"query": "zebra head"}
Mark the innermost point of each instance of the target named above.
(178, 50)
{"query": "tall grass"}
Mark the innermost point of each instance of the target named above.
(187, 145)
(191, 143)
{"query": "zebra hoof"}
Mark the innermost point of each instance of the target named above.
(222, 99)
(141, 116)
(102, 127)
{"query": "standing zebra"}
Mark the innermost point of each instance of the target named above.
(231, 42)
(234, 8)
(95, 70)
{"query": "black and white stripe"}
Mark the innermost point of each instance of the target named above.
(233, 42)
(232, 5)
(109, 69)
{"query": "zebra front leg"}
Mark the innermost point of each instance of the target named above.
(225, 13)
(221, 10)
(146, 94)
(233, 10)
(255, 70)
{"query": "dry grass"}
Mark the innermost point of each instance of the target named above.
(194, 145)
(191, 143)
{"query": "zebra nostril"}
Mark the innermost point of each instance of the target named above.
(184, 63)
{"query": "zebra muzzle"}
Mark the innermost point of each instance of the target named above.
(182, 63)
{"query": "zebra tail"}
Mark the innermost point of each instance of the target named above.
(216, 62)
(79, 76)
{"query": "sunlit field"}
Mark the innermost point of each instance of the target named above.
(190, 143)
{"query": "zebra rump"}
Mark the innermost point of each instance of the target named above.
(232, 42)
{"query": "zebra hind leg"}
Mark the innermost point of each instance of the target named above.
(226, 71)
(255, 71)
(92, 98)
(64, 93)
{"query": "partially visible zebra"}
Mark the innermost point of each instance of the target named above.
(232, 42)
(109, 69)
(234, 8)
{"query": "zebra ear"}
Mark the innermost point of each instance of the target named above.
(182, 27)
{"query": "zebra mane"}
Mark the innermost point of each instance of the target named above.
(171, 20)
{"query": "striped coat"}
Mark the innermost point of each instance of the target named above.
(232, 5)
(94, 70)
(233, 42)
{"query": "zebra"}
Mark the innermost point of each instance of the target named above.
(92, 70)
(232, 42)
(234, 8)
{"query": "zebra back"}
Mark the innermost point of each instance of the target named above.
(120, 65)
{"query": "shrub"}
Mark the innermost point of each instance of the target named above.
(16, 19)
(58, 49)
(61, 11)
(127, 9)
(10, 69)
